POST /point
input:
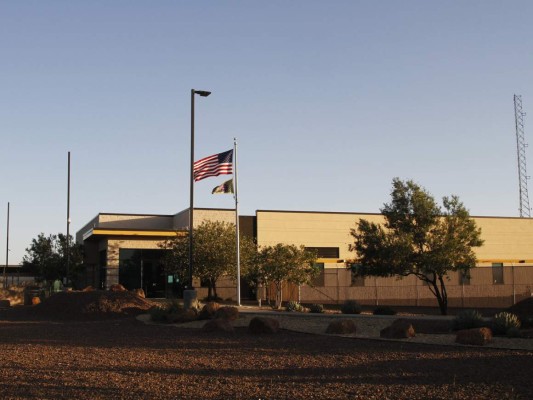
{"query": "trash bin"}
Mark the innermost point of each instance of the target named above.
(30, 292)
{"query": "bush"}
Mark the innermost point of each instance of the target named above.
(467, 319)
(316, 308)
(502, 322)
(294, 306)
(158, 314)
(384, 310)
(514, 332)
(351, 307)
(165, 312)
(526, 322)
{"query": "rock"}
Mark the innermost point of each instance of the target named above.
(184, 316)
(218, 325)
(228, 313)
(118, 288)
(88, 289)
(259, 325)
(5, 303)
(139, 292)
(399, 329)
(209, 310)
(476, 336)
(35, 300)
(341, 327)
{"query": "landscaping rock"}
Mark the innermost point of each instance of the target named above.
(341, 327)
(476, 336)
(218, 325)
(118, 288)
(400, 329)
(228, 313)
(88, 289)
(139, 292)
(209, 310)
(259, 325)
(35, 300)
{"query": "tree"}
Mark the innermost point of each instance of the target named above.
(283, 262)
(214, 254)
(418, 238)
(47, 257)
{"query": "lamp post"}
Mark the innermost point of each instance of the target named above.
(68, 220)
(189, 295)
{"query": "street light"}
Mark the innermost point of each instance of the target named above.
(189, 295)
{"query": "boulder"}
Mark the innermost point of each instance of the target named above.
(341, 327)
(118, 288)
(5, 303)
(218, 325)
(35, 300)
(88, 289)
(184, 316)
(139, 292)
(475, 337)
(228, 313)
(209, 310)
(259, 325)
(399, 329)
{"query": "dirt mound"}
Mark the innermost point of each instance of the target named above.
(524, 307)
(91, 305)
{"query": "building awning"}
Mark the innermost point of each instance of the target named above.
(152, 233)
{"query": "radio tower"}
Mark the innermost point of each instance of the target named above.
(521, 153)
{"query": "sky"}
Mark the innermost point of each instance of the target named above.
(328, 100)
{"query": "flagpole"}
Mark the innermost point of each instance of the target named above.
(237, 222)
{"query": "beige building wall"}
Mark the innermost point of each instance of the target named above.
(181, 220)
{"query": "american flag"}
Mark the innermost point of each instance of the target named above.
(215, 165)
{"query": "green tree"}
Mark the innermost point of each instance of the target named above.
(418, 238)
(47, 257)
(214, 254)
(283, 262)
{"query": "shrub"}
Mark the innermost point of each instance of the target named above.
(514, 332)
(294, 306)
(316, 308)
(526, 322)
(467, 319)
(351, 307)
(166, 312)
(158, 314)
(384, 310)
(502, 322)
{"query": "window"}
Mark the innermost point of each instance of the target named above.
(464, 278)
(357, 279)
(319, 280)
(325, 252)
(497, 273)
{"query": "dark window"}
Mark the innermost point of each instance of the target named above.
(319, 280)
(497, 273)
(325, 252)
(464, 278)
(357, 279)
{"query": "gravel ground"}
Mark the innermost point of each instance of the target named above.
(127, 359)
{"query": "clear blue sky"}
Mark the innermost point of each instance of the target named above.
(329, 101)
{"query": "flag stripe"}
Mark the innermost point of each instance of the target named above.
(215, 165)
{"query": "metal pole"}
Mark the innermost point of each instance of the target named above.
(191, 206)
(68, 217)
(237, 222)
(7, 247)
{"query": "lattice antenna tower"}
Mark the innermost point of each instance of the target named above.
(525, 211)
